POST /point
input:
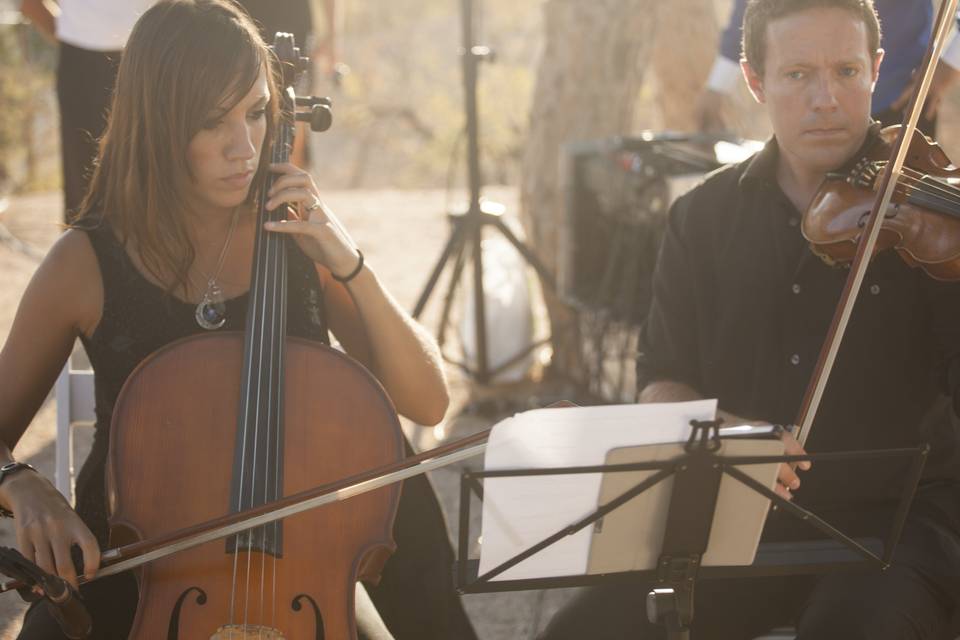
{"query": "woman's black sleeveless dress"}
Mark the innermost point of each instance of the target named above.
(416, 594)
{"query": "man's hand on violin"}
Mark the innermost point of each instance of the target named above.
(315, 228)
(47, 527)
(787, 479)
(944, 78)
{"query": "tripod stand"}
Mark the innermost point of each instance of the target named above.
(467, 227)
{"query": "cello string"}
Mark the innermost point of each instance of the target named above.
(259, 320)
(287, 134)
(263, 414)
(256, 286)
(274, 367)
(277, 447)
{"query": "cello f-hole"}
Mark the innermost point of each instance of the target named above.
(296, 606)
(173, 630)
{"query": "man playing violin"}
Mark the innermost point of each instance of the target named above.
(740, 309)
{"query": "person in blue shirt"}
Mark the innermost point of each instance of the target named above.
(907, 25)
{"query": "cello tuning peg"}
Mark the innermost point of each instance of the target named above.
(320, 117)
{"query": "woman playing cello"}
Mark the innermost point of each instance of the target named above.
(162, 250)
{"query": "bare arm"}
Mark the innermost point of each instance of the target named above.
(363, 315)
(64, 298)
(374, 329)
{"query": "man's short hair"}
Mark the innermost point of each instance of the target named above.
(761, 13)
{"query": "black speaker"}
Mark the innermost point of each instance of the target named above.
(618, 192)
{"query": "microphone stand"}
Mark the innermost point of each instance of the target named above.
(467, 231)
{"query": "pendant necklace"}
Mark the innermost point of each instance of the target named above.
(211, 312)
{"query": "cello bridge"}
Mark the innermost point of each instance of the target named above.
(247, 632)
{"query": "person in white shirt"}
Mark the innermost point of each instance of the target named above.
(90, 35)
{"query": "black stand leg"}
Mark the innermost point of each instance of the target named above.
(467, 231)
(672, 608)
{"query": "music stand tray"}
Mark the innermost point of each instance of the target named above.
(688, 519)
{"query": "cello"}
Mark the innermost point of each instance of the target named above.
(222, 423)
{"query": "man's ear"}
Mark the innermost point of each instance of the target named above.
(754, 81)
(877, 59)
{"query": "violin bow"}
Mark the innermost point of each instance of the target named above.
(868, 240)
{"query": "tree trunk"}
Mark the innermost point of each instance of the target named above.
(687, 38)
(587, 84)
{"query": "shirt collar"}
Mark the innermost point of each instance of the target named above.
(762, 167)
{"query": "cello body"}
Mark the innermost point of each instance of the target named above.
(172, 463)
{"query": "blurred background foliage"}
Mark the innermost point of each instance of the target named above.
(398, 114)
(29, 147)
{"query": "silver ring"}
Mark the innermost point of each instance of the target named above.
(313, 207)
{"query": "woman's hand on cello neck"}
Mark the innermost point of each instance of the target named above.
(363, 315)
(315, 228)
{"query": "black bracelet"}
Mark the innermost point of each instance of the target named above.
(353, 274)
(9, 469)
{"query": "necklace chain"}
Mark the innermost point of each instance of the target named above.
(223, 251)
(211, 310)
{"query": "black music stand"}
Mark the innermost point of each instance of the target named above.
(697, 476)
(467, 230)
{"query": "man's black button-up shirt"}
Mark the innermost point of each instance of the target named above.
(741, 308)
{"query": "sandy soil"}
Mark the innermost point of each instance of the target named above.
(402, 234)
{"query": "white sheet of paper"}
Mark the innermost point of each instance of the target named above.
(519, 512)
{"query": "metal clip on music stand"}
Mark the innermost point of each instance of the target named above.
(468, 226)
(697, 474)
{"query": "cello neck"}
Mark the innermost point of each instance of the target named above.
(258, 456)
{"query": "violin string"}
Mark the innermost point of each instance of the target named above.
(929, 185)
(912, 175)
(945, 197)
(932, 196)
(932, 185)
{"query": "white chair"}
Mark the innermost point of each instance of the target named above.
(75, 402)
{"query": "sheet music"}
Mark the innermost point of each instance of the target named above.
(519, 512)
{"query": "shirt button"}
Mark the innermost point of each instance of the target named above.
(874, 289)
(793, 221)
(795, 359)
(795, 288)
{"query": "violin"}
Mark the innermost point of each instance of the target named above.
(922, 223)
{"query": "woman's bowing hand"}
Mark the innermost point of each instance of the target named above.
(47, 527)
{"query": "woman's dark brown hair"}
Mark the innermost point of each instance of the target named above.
(185, 60)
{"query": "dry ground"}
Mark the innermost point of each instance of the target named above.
(402, 233)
